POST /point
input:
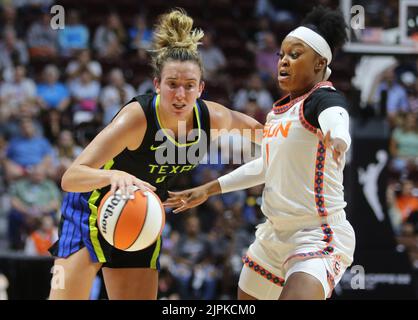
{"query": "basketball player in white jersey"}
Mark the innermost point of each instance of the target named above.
(306, 243)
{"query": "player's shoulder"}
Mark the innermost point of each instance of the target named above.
(212, 105)
(328, 96)
(215, 109)
(218, 114)
(145, 101)
(132, 114)
(327, 92)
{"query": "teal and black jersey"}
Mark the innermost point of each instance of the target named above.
(160, 157)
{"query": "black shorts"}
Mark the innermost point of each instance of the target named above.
(146, 258)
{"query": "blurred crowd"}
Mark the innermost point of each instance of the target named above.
(59, 88)
(397, 94)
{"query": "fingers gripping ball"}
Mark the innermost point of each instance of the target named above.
(131, 224)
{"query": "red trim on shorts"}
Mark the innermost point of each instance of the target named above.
(325, 253)
(250, 263)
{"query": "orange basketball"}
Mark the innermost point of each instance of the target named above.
(131, 224)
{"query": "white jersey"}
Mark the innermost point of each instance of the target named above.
(303, 184)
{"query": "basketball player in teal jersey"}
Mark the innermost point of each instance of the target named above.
(125, 154)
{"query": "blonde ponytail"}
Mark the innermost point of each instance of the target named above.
(174, 39)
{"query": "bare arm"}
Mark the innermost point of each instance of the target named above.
(125, 131)
(224, 118)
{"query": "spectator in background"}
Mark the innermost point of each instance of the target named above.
(74, 36)
(251, 212)
(42, 40)
(146, 86)
(12, 52)
(402, 205)
(8, 19)
(53, 122)
(212, 57)
(65, 151)
(404, 143)
(32, 198)
(52, 94)
(230, 238)
(214, 206)
(193, 268)
(32, 6)
(26, 151)
(16, 91)
(54, 99)
(44, 235)
(3, 144)
(110, 38)
(276, 10)
(406, 202)
(266, 58)
(26, 109)
(412, 221)
(140, 36)
(167, 286)
(83, 61)
(391, 98)
(114, 95)
(85, 93)
(255, 91)
(264, 25)
(409, 80)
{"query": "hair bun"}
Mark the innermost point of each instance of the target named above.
(329, 23)
(174, 30)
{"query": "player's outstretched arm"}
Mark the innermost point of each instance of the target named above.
(222, 118)
(246, 176)
(85, 175)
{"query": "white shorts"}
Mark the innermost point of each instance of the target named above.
(275, 255)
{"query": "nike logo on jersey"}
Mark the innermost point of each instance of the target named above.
(152, 148)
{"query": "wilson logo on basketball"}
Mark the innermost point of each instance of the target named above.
(131, 224)
(273, 129)
(114, 201)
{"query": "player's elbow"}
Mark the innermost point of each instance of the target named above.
(66, 181)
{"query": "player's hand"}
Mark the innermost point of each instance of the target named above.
(125, 182)
(183, 200)
(328, 142)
